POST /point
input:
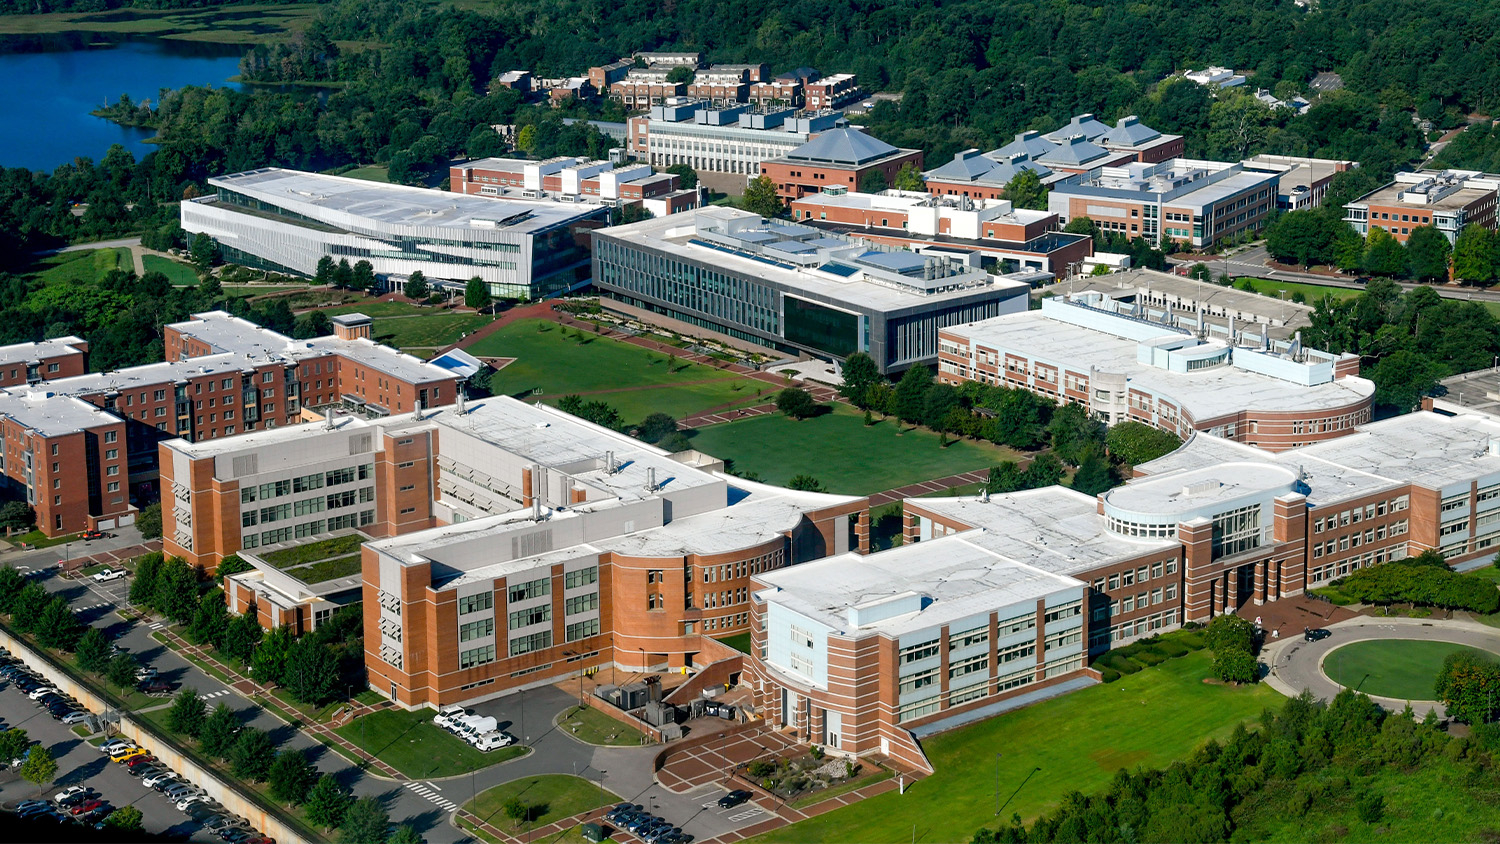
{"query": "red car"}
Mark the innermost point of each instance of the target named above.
(87, 806)
(90, 535)
(139, 760)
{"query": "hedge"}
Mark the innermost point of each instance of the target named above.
(1420, 581)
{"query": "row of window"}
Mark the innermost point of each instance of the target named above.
(1140, 575)
(1352, 516)
(1355, 540)
(274, 489)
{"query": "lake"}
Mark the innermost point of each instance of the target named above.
(51, 85)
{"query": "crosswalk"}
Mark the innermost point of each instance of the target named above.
(429, 792)
(88, 607)
(155, 625)
(212, 695)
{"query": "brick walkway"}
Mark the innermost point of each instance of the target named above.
(274, 705)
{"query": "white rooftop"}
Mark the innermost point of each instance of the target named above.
(34, 352)
(1205, 394)
(51, 415)
(956, 577)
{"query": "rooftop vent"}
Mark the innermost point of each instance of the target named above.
(1201, 487)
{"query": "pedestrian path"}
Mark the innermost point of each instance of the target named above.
(431, 793)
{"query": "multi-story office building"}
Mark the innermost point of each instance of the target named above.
(1304, 181)
(843, 157)
(1197, 203)
(223, 376)
(796, 288)
(287, 220)
(48, 360)
(725, 146)
(1447, 201)
(1130, 362)
(573, 180)
(1015, 240)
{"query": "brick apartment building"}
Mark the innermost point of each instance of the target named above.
(66, 458)
(642, 89)
(728, 84)
(830, 92)
(568, 179)
(1016, 240)
(843, 156)
(48, 360)
(1447, 200)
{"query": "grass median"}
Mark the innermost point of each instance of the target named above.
(591, 726)
(1039, 753)
(419, 749)
(547, 798)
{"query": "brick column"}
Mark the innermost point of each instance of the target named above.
(1197, 557)
(1041, 637)
(1260, 582)
(862, 530)
(1290, 529)
(1231, 590)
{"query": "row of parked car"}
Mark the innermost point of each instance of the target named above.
(482, 731)
(57, 703)
(183, 795)
(633, 818)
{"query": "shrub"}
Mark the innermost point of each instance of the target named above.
(1174, 648)
(1108, 675)
(1370, 807)
(1146, 657)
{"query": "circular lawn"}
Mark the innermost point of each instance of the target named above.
(1403, 669)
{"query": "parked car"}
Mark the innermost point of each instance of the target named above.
(734, 798)
(73, 793)
(188, 800)
(145, 673)
(91, 535)
(161, 776)
(492, 741)
(106, 575)
(34, 810)
(157, 688)
(114, 746)
(40, 691)
(88, 805)
(130, 753)
(144, 771)
(235, 834)
(446, 715)
(75, 718)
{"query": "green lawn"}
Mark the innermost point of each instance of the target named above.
(373, 173)
(550, 797)
(411, 743)
(432, 328)
(1284, 289)
(1077, 742)
(327, 569)
(739, 641)
(561, 365)
(378, 308)
(841, 452)
(85, 265)
(594, 727)
(178, 273)
(1397, 668)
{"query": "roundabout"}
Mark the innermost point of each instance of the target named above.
(1393, 660)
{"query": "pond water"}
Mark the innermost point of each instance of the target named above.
(49, 86)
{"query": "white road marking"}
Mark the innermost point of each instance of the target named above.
(745, 815)
(422, 791)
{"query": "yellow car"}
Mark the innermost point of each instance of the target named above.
(130, 753)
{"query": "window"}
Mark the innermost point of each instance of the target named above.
(965, 638)
(802, 638)
(918, 681)
(530, 616)
(968, 666)
(919, 651)
(476, 629)
(109, 437)
(582, 630)
(1236, 531)
(111, 454)
(581, 603)
(480, 656)
(1012, 626)
(533, 642)
(1064, 611)
(581, 577)
(475, 603)
(530, 589)
(1015, 652)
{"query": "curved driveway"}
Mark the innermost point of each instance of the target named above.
(1297, 665)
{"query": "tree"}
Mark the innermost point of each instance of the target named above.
(872, 182)
(188, 713)
(655, 427)
(796, 403)
(366, 822)
(805, 483)
(218, 733)
(93, 651)
(232, 564)
(1136, 442)
(122, 669)
(681, 75)
(11, 584)
(1403, 378)
(17, 515)
(687, 177)
(860, 373)
(30, 604)
(406, 834)
(477, 294)
(940, 401)
(911, 394)
(1025, 190)
(147, 578)
(1083, 225)
(526, 139)
(1006, 477)
(204, 252)
(1468, 685)
(1072, 430)
(124, 819)
(1473, 258)
(1237, 123)
(1229, 632)
(909, 177)
(1045, 470)
(177, 591)
(327, 802)
(39, 767)
(1236, 666)
(13, 743)
(148, 521)
(312, 674)
(1299, 237)
(292, 777)
(416, 286)
(1427, 252)
(58, 627)
(327, 271)
(343, 274)
(268, 662)
(243, 635)
(362, 276)
(516, 811)
(1383, 254)
(760, 197)
(252, 755)
(1094, 474)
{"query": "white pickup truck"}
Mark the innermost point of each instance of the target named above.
(106, 575)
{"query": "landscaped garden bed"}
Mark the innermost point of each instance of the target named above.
(805, 779)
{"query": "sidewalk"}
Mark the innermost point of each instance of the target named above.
(262, 695)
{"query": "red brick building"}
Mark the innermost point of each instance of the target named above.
(569, 179)
(843, 157)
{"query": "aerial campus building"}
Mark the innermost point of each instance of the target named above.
(796, 288)
(1125, 359)
(505, 544)
(286, 220)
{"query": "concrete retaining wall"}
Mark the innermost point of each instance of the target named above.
(259, 816)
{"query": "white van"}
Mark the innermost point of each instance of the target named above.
(492, 741)
(447, 714)
(471, 727)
